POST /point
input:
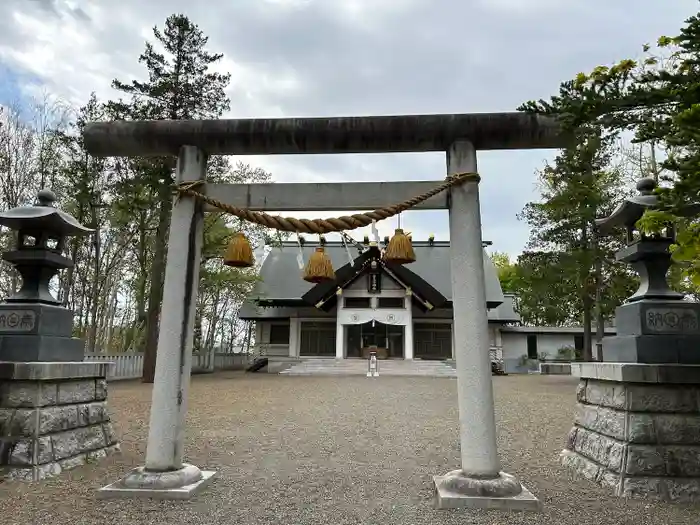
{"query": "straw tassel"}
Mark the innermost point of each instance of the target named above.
(400, 249)
(319, 268)
(239, 253)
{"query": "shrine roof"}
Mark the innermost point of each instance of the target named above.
(282, 284)
(323, 135)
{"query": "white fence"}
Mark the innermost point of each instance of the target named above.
(130, 366)
(125, 366)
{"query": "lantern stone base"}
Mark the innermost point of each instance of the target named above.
(637, 429)
(38, 332)
(40, 348)
(53, 417)
(454, 490)
(655, 332)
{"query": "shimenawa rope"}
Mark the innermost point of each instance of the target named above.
(321, 226)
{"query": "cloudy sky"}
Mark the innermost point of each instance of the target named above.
(351, 57)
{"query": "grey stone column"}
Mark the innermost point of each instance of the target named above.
(165, 475)
(479, 483)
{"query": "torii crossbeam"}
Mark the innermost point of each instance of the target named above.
(479, 482)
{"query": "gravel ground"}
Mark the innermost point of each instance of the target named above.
(346, 450)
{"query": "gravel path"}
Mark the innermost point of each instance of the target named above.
(346, 450)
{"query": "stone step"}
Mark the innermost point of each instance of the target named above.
(342, 374)
(380, 366)
(385, 372)
(365, 368)
(364, 365)
(385, 365)
(335, 367)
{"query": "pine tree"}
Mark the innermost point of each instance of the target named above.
(181, 85)
(660, 101)
(578, 187)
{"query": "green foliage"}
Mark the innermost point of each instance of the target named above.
(657, 99)
(567, 262)
(537, 294)
(525, 362)
(507, 271)
(545, 289)
(566, 353)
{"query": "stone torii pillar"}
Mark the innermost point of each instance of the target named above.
(165, 475)
(479, 482)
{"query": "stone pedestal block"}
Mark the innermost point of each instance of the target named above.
(41, 348)
(36, 319)
(637, 429)
(38, 332)
(655, 332)
(53, 417)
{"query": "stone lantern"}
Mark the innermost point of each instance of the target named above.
(655, 325)
(53, 404)
(33, 325)
(638, 412)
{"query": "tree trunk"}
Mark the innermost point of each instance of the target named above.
(141, 290)
(587, 352)
(654, 165)
(248, 338)
(131, 336)
(214, 321)
(111, 314)
(197, 336)
(88, 294)
(95, 288)
(81, 315)
(68, 277)
(155, 296)
(126, 334)
(586, 298)
(600, 330)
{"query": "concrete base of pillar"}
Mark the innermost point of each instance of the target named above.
(141, 483)
(455, 490)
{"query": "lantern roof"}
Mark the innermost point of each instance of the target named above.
(42, 216)
(631, 209)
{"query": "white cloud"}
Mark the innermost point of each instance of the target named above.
(527, 7)
(321, 58)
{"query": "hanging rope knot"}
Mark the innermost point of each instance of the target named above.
(187, 188)
(321, 226)
(455, 179)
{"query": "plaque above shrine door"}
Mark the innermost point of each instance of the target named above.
(374, 278)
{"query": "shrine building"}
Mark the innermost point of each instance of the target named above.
(404, 311)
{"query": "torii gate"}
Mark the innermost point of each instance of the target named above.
(479, 482)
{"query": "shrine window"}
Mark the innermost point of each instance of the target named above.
(390, 302)
(358, 302)
(279, 334)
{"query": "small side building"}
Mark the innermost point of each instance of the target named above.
(523, 345)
